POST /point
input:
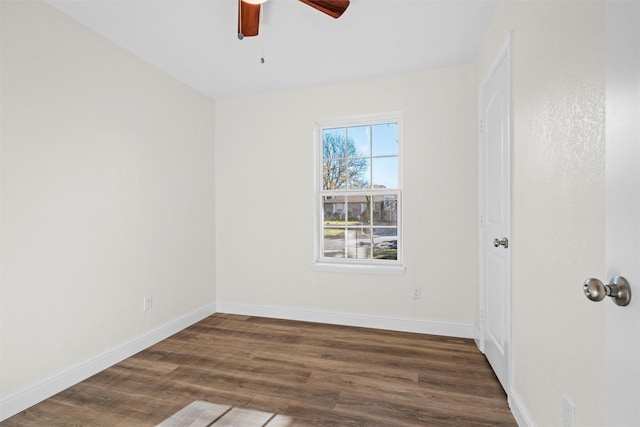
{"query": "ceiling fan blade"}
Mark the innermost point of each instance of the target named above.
(333, 8)
(248, 19)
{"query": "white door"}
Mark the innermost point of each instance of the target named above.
(622, 342)
(495, 210)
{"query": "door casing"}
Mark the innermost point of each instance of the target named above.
(622, 332)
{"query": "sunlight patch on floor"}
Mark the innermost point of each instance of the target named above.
(204, 414)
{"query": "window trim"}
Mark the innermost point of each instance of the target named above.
(350, 265)
(331, 267)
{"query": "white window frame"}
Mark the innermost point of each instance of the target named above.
(353, 265)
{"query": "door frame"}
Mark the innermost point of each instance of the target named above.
(622, 334)
(505, 54)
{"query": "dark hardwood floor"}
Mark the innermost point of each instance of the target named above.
(315, 374)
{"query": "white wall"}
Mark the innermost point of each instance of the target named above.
(265, 204)
(558, 204)
(107, 196)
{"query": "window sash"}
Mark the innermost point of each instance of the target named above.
(365, 163)
(351, 233)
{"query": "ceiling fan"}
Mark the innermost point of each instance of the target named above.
(249, 13)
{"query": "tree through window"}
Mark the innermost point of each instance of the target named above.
(360, 193)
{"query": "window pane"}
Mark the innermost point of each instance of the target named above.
(334, 143)
(334, 174)
(385, 243)
(358, 208)
(358, 243)
(385, 172)
(385, 139)
(385, 210)
(358, 173)
(334, 211)
(359, 141)
(333, 242)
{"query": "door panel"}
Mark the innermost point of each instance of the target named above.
(495, 127)
(496, 272)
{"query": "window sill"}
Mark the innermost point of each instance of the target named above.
(388, 270)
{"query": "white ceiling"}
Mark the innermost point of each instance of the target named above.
(196, 41)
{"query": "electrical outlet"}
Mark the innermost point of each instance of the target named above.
(417, 292)
(147, 303)
(568, 412)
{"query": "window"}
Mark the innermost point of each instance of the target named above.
(359, 191)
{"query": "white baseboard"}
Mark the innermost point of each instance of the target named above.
(349, 319)
(477, 337)
(47, 388)
(518, 410)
